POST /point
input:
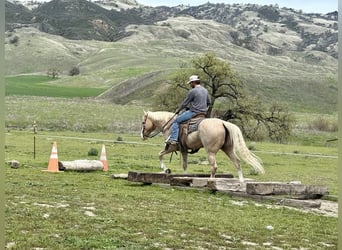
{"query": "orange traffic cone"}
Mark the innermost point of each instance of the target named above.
(103, 158)
(53, 162)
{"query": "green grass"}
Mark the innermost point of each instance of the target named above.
(73, 114)
(54, 210)
(39, 85)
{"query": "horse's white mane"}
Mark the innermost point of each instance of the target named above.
(159, 115)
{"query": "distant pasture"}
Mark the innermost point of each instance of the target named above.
(40, 85)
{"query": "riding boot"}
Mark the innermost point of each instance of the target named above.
(171, 147)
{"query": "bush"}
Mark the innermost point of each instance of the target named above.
(93, 152)
(74, 71)
(183, 33)
(14, 40)
(322, 124)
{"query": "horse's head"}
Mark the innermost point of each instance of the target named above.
(147, 126)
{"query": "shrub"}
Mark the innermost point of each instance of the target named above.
(183, 33)
(322, 124)
(93, 152)
(14, 40)
(74, 71)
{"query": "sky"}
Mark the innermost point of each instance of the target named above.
(307, 6)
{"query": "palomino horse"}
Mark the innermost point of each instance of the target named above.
(213, 134)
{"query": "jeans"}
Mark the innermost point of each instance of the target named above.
(187, 115)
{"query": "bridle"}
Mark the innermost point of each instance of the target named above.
(143, 125)
(151, 135)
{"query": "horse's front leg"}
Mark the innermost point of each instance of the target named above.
(241, 179)
(167, 150)
(161, 160)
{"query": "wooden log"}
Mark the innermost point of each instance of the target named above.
(224, 184)
(237, 192)
(189, 181)
(199, 182)
(80, 165)
(281, 188)
(299, 203)
(149, 178)
(181, 181)
(276, 200)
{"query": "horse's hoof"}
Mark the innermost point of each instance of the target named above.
(168, 171)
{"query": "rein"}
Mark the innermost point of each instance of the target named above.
(154, 133)
(163, 127)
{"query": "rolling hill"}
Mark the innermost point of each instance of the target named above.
(282, 54)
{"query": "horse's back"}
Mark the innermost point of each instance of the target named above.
(211, 123)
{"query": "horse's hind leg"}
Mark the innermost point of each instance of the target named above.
(237, 164)
(236, 161)
(185, 161)
(212, 163)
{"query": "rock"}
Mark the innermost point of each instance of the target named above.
(13, 164)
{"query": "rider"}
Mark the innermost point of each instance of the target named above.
(196, 102)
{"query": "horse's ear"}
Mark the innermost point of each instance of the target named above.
(145, 112)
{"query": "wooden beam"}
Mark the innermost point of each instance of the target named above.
(149, 178)
(228, 185)
(282, 188)
(234, 189)
(276, 200)
(224, 184)
(189, 181)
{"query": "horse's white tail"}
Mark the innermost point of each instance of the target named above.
(240, 146)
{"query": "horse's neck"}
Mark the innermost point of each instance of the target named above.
(160, 124)
(160, 121)
(163, 123)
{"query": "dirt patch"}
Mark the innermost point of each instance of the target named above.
(328, 208)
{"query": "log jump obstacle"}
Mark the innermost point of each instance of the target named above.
(292, 194)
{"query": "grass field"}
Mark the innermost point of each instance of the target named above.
(90, 210)
(40, 85)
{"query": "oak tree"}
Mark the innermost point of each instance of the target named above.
(235, 104)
